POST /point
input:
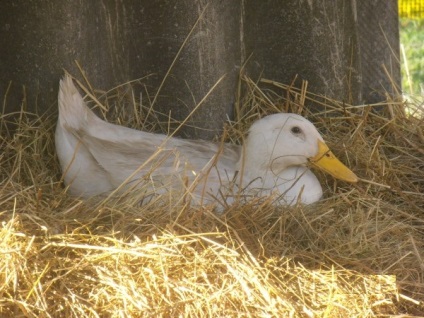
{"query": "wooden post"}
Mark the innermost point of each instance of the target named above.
(340, 47)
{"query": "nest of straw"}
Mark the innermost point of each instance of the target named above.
(357, 253)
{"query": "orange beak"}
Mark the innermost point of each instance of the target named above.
(328, 162)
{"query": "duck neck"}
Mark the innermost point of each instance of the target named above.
(254, 164)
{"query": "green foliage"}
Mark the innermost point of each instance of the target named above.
(412, 42)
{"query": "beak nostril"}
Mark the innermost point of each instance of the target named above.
(326, 160)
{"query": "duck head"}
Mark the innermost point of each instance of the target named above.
(280, 141)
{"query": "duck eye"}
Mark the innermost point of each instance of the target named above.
(296, 130)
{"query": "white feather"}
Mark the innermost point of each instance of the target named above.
(98, 157)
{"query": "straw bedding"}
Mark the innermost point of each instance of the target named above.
(357, 253)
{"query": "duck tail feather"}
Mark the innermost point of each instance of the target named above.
(73, 111)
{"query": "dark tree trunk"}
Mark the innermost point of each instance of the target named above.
(338, 47)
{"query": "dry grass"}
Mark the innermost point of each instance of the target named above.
(357, 253)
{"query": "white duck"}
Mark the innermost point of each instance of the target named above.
(98, 157)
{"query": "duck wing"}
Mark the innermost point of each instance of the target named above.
(168, 162)
(113, 155)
